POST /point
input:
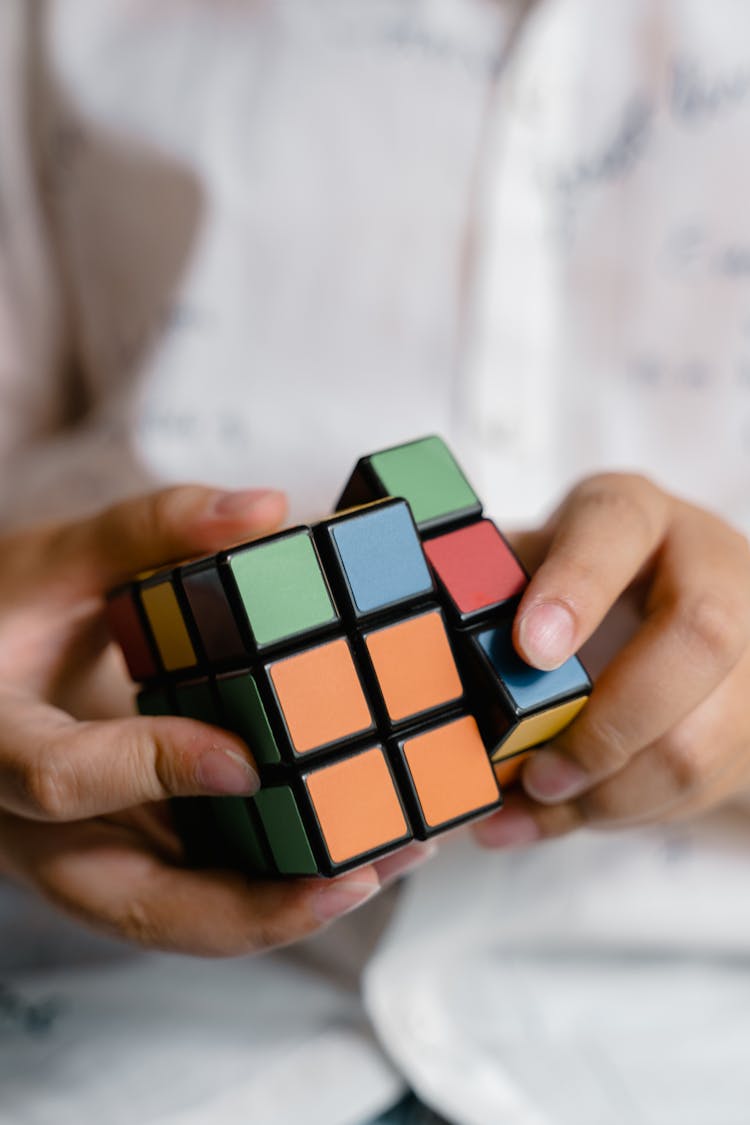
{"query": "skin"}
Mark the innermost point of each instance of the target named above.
(666, 734)
(82, 819)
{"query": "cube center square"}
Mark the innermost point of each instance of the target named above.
(378, 557)
(426, 474)
(281, 587)
(414, 666)
(356, 805)
(476, 568)
(320, 696)
(450, 772)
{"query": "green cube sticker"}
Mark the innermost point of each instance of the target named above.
(285, 831)
(426, 474)
(282, 588)
(195, 700)
(236, 826)
(245, 714)
(153, 701)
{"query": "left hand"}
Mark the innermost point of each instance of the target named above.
(81, 819)
(666, 733)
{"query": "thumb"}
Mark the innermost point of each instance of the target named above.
(94, 554)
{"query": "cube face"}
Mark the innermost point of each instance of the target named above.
(357, 807)
(367, 662)
(234, 819)
(531, 707)
(529, 689)
(125, 623)
(215, 622)
(423, 472)
(427, 475)
(320, 697)
(414, 667)
(286, 833)
(450, 775)
(539, 728)
(379, 559)
(195, 699)
(167, 624)
(244, 713)
(281, 587)
(155, 701)
(476, 569)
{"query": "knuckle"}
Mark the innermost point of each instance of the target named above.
(152, 516)
(625, 497)
(269, 935)
(48, 789)
(152, 764)
(682, 756)
(276, 932)
(560, 820)
(715, 625)
(604, 803)
(285, 918)
(581, 577)
(168, 763)
(137, 923)
(601, 746)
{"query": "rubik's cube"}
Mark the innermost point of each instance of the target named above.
(366, 660)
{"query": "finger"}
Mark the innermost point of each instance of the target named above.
(601, 538)
(628, 801)
(697, 764)
(696, 630)
(531, 546)
(92, 555)
(103, 876)
(611, 806)
(522, 822)
(154, 824)
(54, 769)
(701, 763)
(402, 862)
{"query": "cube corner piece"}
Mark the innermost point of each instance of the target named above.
(426, 474)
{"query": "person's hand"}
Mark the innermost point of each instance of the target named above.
(79, 815)
(666, 733)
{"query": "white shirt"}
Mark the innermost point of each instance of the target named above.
(245, 242)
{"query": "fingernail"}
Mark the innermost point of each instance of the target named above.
(550, 776)
(394, 866)
(510, 828)
(546, 633)
(237, 503)
(340, 897)
(227, 773)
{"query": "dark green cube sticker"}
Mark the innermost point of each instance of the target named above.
(195, 700)
(153, 701)
(426, 474)
(245, 714)
(282, 588)
(236, 826)
(285, 831)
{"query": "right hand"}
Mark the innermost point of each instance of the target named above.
(81, 818)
